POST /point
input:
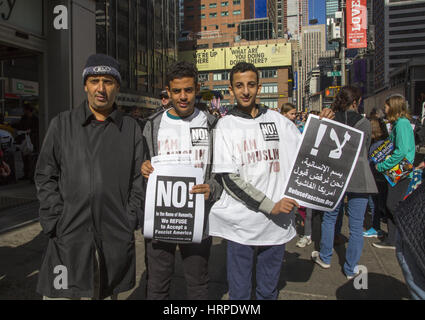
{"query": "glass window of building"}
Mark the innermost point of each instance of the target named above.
(213, 5)
(224, 89)
(224, 13)
(269, 88)
(202, 6)
(220, 76)
(236, 12)
(270, 103)
(268, 73)
(236, 2)
(213, 14)
(225, 3)
(202, 16)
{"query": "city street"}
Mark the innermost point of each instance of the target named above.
(300, 279)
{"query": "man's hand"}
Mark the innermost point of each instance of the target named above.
(146, 169)
(202, 188)
(327, 113)
(284, 206)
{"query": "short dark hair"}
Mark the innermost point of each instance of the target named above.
(243, 67)
(182, 69)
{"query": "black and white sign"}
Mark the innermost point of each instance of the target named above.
(199, 136)
(325, 162)
(173, 214)
(269, 131)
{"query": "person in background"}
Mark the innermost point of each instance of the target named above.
(361, 184)
(377, 201)
(165, 101)
(29, 122)
(404, 147)
(288, 110)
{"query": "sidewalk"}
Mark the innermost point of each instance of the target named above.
(21, 252)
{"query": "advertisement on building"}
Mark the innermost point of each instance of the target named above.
(356, 24)
(261, 56)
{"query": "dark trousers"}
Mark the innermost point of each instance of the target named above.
(160, 257)
(394, 196)
(240, 264)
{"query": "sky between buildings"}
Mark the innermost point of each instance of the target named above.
(318, 13)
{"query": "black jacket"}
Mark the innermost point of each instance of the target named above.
(90, 193)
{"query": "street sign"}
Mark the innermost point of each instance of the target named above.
(334, 74)
(347, 61)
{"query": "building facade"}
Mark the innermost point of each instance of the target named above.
(44, 46)
(216, 17)
(404, 33)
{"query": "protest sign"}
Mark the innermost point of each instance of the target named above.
(173, 214)
(324, 164)
(399, 171)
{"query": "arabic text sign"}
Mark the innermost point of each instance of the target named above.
(171, 213)
(325, 161)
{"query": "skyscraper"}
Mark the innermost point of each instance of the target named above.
(331, 7)
(288, 17)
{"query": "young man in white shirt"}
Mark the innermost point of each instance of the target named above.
(170, 132)
(253, 151)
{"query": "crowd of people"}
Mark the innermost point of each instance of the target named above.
(93, 167)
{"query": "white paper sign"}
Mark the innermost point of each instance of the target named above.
(172, 214)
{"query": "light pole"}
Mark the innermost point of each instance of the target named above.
(342, 47)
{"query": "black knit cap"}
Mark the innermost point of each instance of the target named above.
(101, 64)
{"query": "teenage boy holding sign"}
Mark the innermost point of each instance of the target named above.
(253, 151)
(181, 130)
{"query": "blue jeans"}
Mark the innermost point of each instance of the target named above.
(415, 279)
(356, 209)
(240, 263)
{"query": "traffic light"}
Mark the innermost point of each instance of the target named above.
(331, 92)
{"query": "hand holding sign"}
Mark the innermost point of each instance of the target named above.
(285, 205)
(146, 169)
(202, 188)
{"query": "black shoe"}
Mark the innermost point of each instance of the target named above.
(383, 245)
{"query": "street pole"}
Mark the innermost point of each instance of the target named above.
(342, 48)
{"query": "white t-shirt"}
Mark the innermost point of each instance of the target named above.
(188, 136)
(260, 150)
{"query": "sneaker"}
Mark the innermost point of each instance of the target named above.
(371, 233)
(383, 245)
(316, 258)
(304, 241)
(353, 276)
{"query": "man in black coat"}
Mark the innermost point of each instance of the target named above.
(90, 190)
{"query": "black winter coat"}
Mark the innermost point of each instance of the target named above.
(90, 193)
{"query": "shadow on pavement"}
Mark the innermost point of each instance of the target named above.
(19, 268)
(217, 273)
(379, 287)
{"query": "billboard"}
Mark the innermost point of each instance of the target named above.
(268, 55)
(205, 60)
(356, 24)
